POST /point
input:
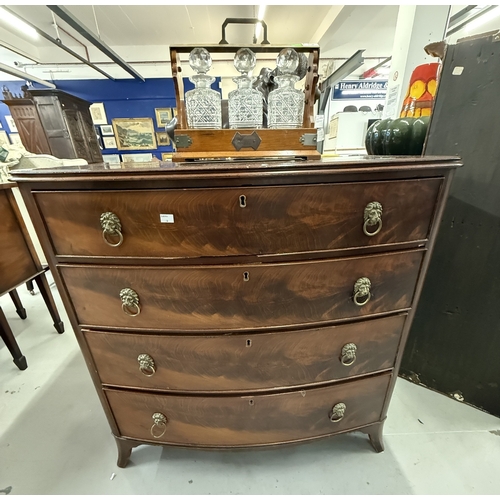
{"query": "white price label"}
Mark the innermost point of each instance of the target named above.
(167, 218)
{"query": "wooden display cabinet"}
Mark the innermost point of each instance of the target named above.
(262, 143)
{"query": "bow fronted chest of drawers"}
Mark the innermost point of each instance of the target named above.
(241, 304)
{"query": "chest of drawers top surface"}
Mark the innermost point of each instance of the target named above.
(241, 303)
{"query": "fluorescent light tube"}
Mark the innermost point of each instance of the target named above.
(17, 23)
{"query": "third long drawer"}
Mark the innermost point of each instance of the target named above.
(242, 297)
(212, 363)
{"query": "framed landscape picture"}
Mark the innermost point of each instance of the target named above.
(137, 158)
(163, 116)
(107, 130)
(162, 138)
(109, 142)
(98, 113)
(112, 159)
(134, 133)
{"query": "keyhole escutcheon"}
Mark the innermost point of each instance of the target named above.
(243, 201)
(246, 276)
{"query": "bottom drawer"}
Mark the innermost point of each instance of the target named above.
(248, 420)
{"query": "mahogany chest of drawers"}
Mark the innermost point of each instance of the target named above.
(241, 304)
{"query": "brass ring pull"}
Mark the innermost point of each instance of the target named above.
(348, 354)
(373, 217)
(160, 424)
(130, 302)
(338, 412)
(362, 289)
(120, 238)
(111, 226)
(146, 365)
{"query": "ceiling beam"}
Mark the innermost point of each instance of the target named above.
(457, 26)
(59, 43)
(327, 21)
(24, 76)
(67, 17)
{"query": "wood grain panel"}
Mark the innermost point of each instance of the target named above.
(245, 362)
(218, 297)
(250, 420)
(211, 222)
(16, 263)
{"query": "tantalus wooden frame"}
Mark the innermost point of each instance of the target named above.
(192, 144)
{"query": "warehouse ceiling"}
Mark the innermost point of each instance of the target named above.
(141, 34)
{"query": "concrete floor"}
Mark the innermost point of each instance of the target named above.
(54, 439)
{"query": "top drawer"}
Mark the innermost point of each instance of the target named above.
(237, 221)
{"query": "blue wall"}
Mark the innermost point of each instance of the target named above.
(122, 99)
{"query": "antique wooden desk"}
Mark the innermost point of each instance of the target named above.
(224, 305)
(19, 263)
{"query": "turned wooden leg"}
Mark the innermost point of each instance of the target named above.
(43, 285)
(30, 287)
(124, 450)
(10, 341)
(20, 310)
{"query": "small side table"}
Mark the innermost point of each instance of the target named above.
(19, 264)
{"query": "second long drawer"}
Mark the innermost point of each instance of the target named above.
(247, 361)
(242, 297)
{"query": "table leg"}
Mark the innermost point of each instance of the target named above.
(20, 310)
(30, 287)
(10, 341)
(44, 287)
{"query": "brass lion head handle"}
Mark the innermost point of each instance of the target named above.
(373, 217)
(348, 354)
(159, 425)
(130, 302)
(146, 364)
(111, 226)
(362, 289)
(338, 412)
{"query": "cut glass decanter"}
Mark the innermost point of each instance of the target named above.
(245, 103)
(203, 104)
(286, 103)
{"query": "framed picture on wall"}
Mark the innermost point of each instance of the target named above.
(134, 133)
(111, 159)
(109, 142)
(162, 139)
(107, 130)
(16, 139)
(137, 157)
(163, 116)
(4, 138)
(11, 123)
(98, 113)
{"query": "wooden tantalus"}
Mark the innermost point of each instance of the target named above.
(193, 144)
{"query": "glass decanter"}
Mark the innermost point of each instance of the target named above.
(203, 104)
(245, 103)
(286, 103)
